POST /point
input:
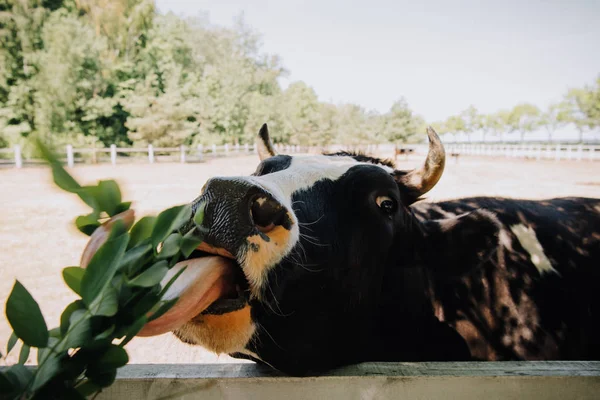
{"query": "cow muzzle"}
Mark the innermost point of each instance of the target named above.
(246, 232)
(236, 211)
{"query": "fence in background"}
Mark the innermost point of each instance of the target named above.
(184, 154)
(150, 154)
(557, 152)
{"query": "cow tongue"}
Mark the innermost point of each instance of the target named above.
(204, 281)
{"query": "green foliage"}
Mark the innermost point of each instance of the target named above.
(25, 317)
(401, 125)
(98, 72)
(120, 290)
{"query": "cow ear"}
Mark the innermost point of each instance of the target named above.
(455, 246)
(264, 145)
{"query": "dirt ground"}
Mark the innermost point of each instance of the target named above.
(38, 239)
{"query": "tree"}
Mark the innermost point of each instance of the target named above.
(554, 117)
(522, 118)
(401, 125)
(492, 123)
(473, 121)
(455, 124)
(582, 107)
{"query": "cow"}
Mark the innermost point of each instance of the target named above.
(319, 261)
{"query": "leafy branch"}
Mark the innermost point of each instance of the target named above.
(119, 289)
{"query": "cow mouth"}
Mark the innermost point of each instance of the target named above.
(212, 283)
(235, 293)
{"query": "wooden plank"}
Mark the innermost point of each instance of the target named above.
(460, 381)
(246, 370)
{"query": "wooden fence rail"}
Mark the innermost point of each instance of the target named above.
(450, 381)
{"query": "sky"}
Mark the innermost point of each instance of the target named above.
(441, 55)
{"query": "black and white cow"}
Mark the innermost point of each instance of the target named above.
(314, 262)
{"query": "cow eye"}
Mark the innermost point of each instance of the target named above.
(387, 204)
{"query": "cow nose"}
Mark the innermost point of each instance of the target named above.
(266, 213)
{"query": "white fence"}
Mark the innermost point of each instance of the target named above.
(578, 152)
(184, 154)
(150, 154)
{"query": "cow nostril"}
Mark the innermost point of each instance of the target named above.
(266, 213)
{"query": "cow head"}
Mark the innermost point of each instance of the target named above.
(317, 261)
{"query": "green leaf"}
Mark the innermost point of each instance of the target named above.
(134, 330)
(80, 330)
(151, 276)
(61, 177)
(170, 246)
(25, 317)
(103, 266)
(19, 376)
(72, 277)
(65, 318)
(43, 353)
(24, 354)
(108, 196)
(87, 223)
(199, 216)
(88, 195)
(102, 379)
(123, 207)
(49, 368)
(135, 255)
(114, 357)
(12, 340)
(146, 303)
(141, 230)
(168, 221)
(190, 242)
(54, 333)
(87, 388)
(106, 334)
(163, 307)
(106, 304)
(6, 384)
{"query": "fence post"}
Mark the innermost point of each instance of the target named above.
(246, 148)
(214, 150)
(557, 155)
(200, 152)
(70, 161)
(182, 154)
(113, 154)
(226, 149)
(237, 147)
(579, 152)
(18, 158)
(151, 154)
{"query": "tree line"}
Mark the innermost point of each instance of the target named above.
(98, 72)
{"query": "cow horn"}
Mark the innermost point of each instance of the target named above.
(420, 181)
(263, 144)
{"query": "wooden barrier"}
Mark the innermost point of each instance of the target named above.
(460, 381)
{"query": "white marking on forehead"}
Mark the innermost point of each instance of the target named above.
(528, 239)
(305, 171)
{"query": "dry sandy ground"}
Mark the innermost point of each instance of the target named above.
(38, 239)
